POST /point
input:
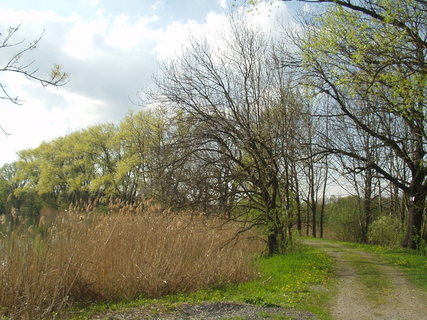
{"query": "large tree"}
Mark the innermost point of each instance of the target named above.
(237, 105)
(369, 56)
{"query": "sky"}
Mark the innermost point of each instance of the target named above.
(111, 50)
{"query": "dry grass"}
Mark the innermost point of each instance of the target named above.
(92, 257)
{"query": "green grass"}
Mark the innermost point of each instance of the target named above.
(412, 264)
(300, 280)
(409, 261)
(375, 283)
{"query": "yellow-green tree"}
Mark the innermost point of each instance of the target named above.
(74, 167)
(141, 170)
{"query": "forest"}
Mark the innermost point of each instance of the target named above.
(256, 129)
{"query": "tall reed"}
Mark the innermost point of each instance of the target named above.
(92, 257)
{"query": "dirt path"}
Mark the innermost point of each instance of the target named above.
(401, 300)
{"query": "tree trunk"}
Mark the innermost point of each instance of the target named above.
(298, 201)
(417, 199)
(413, 236)
(367, 205)
(322, 209)
(276, 240)
(307, 219)
(272, 243)
(313, 201)
(299, 218)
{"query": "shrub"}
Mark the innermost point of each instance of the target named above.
(384, 231)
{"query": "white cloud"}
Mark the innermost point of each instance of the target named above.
(46, 114)
(307, 8)
(91, 3)
(157, 5)
(171, 41)
(28, 18)
(91, 37)
(223, 3)
(175, 37)
(125, 35)
(267, 15)
(81, 40)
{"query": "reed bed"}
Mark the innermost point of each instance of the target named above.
(95, 257)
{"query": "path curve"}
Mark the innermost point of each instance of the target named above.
(400, 302)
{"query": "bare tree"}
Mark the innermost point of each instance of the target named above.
(235, 102)
(14, 64)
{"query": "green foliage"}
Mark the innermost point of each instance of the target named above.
(384, 231)
(345, 218)
(4, 192)
(362, 53)
(143, 136)
(342, 218)
(101, 161)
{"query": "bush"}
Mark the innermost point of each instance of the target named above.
(384, 231)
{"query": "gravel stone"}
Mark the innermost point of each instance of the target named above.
(212, 311)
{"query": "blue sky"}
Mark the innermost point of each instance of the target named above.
(110, 48)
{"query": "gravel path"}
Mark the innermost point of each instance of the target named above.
(211, 311)
(402, 301)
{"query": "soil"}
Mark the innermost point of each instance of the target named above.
(401, 301)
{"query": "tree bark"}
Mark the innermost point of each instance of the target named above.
(413, 235)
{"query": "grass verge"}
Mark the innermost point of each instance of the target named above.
(301, 279)
(413, 265)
